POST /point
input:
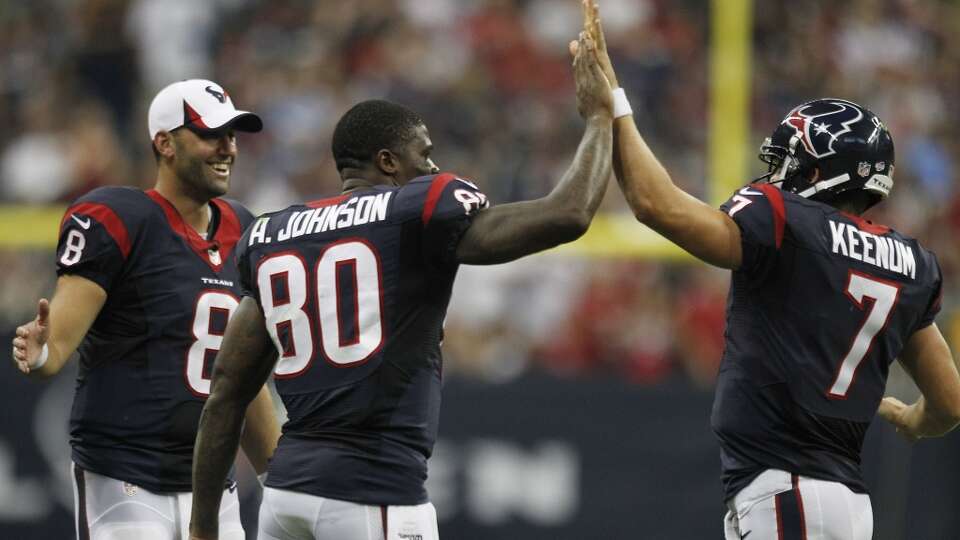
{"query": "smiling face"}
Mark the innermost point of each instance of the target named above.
(203, 160)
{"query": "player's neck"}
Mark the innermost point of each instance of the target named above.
(194, 210)
(357, 179)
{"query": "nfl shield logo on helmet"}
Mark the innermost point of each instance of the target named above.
(863, 169)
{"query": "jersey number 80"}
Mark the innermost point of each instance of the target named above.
(283, 281)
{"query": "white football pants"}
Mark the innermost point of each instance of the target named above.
(110, 509)
(778, 505)
(289, 515)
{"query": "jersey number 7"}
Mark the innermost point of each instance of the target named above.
(884, 295)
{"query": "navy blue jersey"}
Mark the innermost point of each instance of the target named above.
(354, 290)
(144, 364)
(822, 304)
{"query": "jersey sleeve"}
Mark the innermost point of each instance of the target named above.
(759, 212)
(450, 206)
(94, 242)
(242, 254)
(933, 306)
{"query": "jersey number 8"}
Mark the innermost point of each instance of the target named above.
(207, 339)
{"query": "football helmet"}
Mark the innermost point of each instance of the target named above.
(845, 143)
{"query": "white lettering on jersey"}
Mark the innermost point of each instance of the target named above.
(471, 200)
(216, 281)
(881, 251)
(741, 201)
(259, 233)
(356, 211)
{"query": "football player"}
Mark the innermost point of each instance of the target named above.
(821, 303)
(146, 285)
(344, 302)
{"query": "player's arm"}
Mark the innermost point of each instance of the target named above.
(239, 373)
(928, 360)
(261, 431)
(60, 324)
(510, 231)
(701, 230)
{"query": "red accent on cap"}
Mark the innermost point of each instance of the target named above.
(433, 196)
(779, 210)
(104, 215)
(192, 117)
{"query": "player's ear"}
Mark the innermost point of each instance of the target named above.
(163, 144)
(387, 162)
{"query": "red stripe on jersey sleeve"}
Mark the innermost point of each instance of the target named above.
(433, 195)
(104, 215)
(779, 210)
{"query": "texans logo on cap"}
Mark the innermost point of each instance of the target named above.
(221, 96)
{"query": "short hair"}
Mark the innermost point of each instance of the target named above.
(371, 126)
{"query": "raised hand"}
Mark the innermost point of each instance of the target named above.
(591, 24)
(31, 337)
(594, 96)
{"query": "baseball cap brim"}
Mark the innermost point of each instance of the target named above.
(236, 119)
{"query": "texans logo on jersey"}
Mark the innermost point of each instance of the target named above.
(819, 124)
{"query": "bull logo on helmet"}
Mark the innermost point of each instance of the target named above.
(820, 123)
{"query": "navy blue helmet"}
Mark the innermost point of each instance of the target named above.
(830, 146)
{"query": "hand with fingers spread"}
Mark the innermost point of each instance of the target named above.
(31, 338)
(594, 97)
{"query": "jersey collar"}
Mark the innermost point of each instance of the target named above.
(214, 250)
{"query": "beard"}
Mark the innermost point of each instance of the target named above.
(197, 178)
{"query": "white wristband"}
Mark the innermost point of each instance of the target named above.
(621, 105)
(42, 359)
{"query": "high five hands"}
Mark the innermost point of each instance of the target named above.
(593, 86)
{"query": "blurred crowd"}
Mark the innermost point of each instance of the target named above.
(492, 80)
